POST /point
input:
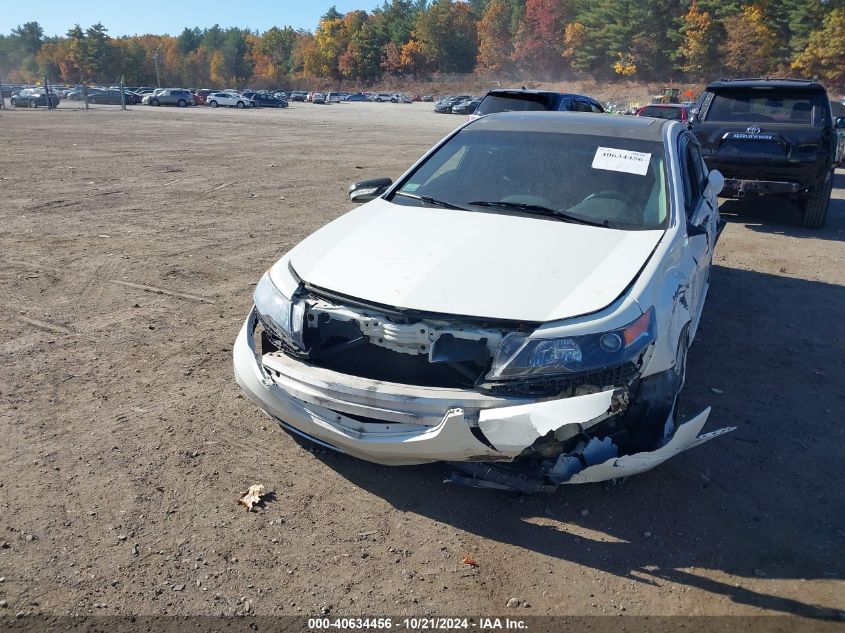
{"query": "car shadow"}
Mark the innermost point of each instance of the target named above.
(765, 501)
(775, 215)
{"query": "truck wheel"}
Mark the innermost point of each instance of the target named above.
(814, 207)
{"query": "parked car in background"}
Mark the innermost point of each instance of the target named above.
(201, 96)
(564, 367)
(444, 106)
(770, 137)
(228, 99)
(171, 96)
(318, 97)
(427, 98)
(333, 97)
(467, 107)
(34, 98)
(671, 111)
(838, 112)
(297, 95)
(77, 94)
(267, 101)
(358, 96)
(382, 97)
(112, 97)
(520, 100)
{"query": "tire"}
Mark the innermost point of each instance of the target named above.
(182, 103)
(33, 103)
(814, 207)
(212, 104)
(241, 105)
(281, 104)
(154, 102)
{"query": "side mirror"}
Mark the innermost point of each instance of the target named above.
(366, 190)
(715, 182)
(840, 122)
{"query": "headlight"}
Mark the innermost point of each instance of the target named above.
(281, 316)
(520, 356)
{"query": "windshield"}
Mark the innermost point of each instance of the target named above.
(767, 106)
(609, 181)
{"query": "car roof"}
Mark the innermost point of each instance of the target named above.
(787, 84)
(666, 105)
(639, 128)
(545, 93)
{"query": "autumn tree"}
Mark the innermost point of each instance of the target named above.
(538, 42)
(447, 35)
(697, 53)
(495, 41)
(825, 53)
(751, 43)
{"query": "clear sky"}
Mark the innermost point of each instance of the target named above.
(132, 17)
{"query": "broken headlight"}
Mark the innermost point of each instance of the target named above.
(281, 317)
(520, 356)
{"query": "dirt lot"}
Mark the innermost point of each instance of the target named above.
(125, 441)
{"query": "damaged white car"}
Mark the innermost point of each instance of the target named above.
(519, 303)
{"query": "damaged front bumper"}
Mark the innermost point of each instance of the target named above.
(399, 424)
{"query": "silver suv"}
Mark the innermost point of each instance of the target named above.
(172, 96)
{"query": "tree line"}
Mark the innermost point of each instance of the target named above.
(508, 39)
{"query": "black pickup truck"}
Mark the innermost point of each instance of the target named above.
(770, 137)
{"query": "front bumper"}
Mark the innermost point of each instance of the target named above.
(391, 423)
(396, 424)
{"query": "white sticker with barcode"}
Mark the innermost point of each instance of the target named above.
(622, 160)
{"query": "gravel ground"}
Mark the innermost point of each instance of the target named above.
(125, 442)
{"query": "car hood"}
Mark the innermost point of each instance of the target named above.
(478, 264)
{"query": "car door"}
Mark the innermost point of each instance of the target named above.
(699, 203)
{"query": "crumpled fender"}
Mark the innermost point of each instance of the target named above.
(686, 436)
(513, 429)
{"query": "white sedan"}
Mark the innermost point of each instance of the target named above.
(519, 303)
(229, 99)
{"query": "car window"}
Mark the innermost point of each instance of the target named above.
(596, 109)
(767, 106)
(672, 114)
(693, 179)
(600, 179)
(514, 103)
(581, 106)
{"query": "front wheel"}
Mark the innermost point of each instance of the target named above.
(154, 102)
(241, 104)
(281, 105)
(213, 104)
(33, 103)
(814, 207)
(182, 103)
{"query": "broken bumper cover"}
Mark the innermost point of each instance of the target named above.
(740, 188)
(397, 424)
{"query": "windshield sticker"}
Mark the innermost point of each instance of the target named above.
(621, 160)
(411, 186)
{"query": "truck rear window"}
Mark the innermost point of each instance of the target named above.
(767, 106)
